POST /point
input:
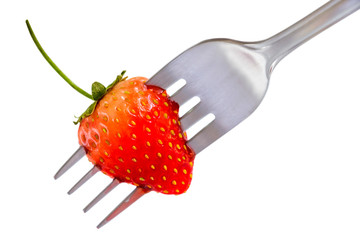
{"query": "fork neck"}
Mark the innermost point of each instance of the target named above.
(281, 44)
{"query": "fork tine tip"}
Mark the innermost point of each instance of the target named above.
(137, 193)
(77, 155)
(84, 179)
(102, 224)
(102, 194)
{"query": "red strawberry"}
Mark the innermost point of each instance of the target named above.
(134, 135)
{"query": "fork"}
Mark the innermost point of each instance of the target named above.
(219, 83)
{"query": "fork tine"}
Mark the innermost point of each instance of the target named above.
(77, 155)
(130, 199)
(182, 96)
(102, 194)
(206, 136)
(193, 116)
(84, 179)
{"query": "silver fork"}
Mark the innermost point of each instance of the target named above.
(230, 78)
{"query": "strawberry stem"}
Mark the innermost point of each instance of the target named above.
(53, 65)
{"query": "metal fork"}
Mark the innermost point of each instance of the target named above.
(230, 78)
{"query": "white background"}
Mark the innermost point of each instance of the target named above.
(289, 171)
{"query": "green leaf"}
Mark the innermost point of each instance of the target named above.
(98, 90)
(118, 79)
(87, 112)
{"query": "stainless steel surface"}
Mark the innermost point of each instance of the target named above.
(130, 199)
(84, 179)
(102, 194)
(78, 154)
(232, 77)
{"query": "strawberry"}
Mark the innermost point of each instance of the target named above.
(134, 135)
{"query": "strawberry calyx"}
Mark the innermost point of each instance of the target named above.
(98, 91)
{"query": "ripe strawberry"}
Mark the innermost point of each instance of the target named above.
(134, 135)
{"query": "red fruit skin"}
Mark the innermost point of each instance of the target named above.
(134, 135)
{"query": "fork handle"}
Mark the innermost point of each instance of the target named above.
(281, 44)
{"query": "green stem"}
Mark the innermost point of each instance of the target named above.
(53, 65)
